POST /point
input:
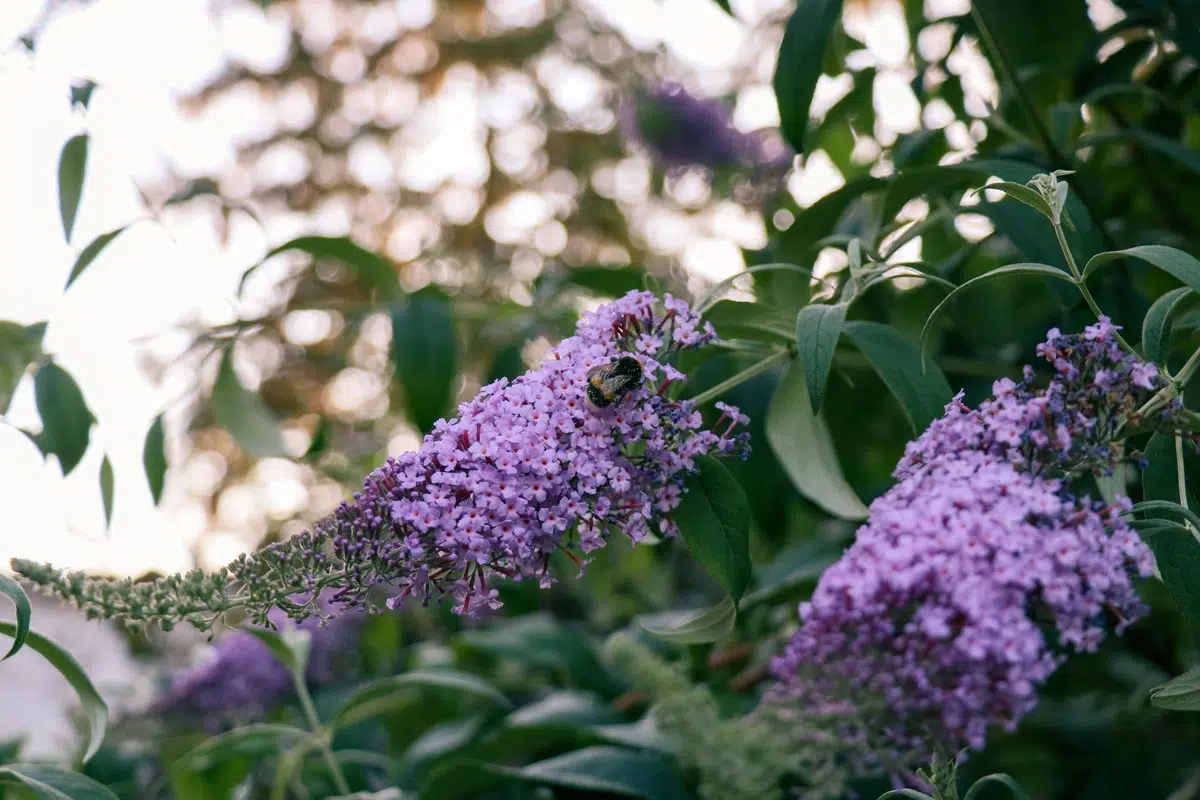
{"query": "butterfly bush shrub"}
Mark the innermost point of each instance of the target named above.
(979, 571)
(526, 469)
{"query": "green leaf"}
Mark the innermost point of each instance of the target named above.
(818, 328)
(923, 394)
(1156, 327)
(1181, 693)
(643, 734)
(374, 272)
(81, 93)
(261, 740)
(1178, 556)
(154, 458)
(384, 694)
(1149, 528)
(1176, 263)
(1024, 194)
(714, 518)
(106, 489)
(13, 591)
(805, 449)
(20, 346)
(693, 627)
(424, 352)
(66, 419)
(89, 253)
(563, 708)
(754, 321)
(1160, 476)
(94, 706)
(801, 55)
(48, 782)
(1171, 509)
(610, 770)
(437, 743)
(244, 414)
(1042, 270)
(724, 6)
(72, 164)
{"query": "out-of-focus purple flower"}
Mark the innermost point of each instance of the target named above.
(682, 130)
(529, 468)
(978, 572)
(239, 679)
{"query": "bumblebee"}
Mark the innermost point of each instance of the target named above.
(610, 383)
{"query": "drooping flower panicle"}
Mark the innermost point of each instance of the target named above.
(526, 469)
(978, 571)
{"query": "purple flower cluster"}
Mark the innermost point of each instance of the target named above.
(978, 571)
(1070, 426)
(240, 680)
(682, 130)
(529, 468)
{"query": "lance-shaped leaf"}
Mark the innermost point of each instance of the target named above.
(923, 393)
(13, 591)
(66, 419)
(801, 56)
(374, 272)
(94, 706)
(107, 484)
(805, 449)
(1176, 263)
(1156, 327)
(154, 458)
(714, 518)
(72, 164)
(818, 328)
(424, 351)
(89, 253)
(693, 627)
(20, 346)
(1181, 693)
(48, 782)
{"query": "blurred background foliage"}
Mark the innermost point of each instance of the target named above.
(451, 188)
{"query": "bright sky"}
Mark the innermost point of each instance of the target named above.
(141, 53)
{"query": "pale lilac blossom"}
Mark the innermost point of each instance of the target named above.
(979, 571)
